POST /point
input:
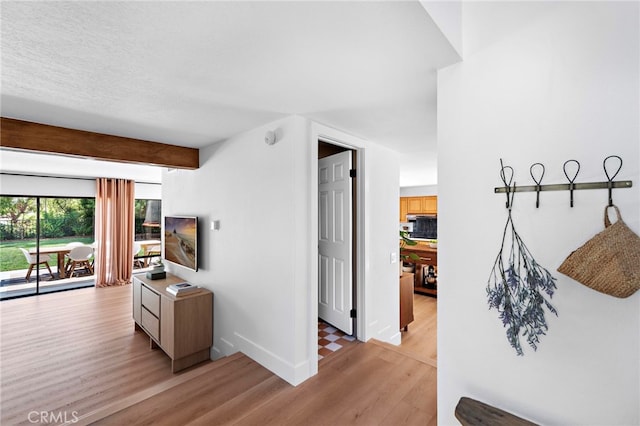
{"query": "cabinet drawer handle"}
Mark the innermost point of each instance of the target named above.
(425, 258)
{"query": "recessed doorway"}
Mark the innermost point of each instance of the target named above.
(337, 236)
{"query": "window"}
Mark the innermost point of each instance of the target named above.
(147, 240)
(36, 236)
(45, 227)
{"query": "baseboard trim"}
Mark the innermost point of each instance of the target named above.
(294, 374)
(396, 339)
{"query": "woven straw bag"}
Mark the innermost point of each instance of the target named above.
(609, 262)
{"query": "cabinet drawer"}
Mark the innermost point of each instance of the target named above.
(151, 301)
(151, 324)
(429, 258)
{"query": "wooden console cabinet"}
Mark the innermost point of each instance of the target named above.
(181, 326)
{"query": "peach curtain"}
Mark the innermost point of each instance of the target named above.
(114, 231)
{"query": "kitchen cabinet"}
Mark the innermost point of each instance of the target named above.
(430, 204)
(418, 205)
(414, 204)
(404, 209)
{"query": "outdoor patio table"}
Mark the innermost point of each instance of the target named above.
(60, 250)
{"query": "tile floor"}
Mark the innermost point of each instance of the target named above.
(330, 339)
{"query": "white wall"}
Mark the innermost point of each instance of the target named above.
(447, 15)
(262, 263)
(551, 82)
(65, 187)
(418, 191)
(382, 296)
(252, 263)
(41, 164)
(46, 186)
(48, 175)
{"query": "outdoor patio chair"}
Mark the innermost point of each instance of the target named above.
(137, 262)
(33, 261)
(80, 258)
(66, 256)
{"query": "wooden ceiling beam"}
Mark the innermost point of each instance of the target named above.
(19, 134)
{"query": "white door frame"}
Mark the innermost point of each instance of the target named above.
(336, 258)
(334, 137)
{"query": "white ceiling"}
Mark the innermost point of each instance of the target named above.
(195, 73)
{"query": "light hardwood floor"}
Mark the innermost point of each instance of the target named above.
(420, 341)
(75, 356)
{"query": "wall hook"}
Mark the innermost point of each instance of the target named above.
(510, 189)
(507, 182)
(610, 178)
(571, 180)
(537, 181)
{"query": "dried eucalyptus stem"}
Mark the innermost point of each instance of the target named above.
(516, 290)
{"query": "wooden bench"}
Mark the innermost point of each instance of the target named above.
(471, 412)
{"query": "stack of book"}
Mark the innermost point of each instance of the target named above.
(181, 289)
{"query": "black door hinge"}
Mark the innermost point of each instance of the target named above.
(352, 314)
(352, 173)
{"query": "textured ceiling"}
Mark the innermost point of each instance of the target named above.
(195, 73)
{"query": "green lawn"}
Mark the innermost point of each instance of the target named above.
(11, 258)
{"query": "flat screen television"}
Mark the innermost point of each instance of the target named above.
(181, 241)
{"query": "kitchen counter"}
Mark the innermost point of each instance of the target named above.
(428, 256)
(422, 250)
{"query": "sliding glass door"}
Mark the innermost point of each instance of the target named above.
(19, 266)
(65, 224)
(37, 236)
(147, 241)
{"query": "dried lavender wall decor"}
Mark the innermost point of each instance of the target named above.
(516, 288)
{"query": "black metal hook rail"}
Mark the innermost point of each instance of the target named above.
(571, 186)
(566, 186)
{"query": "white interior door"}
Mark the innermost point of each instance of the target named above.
(334, 245)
